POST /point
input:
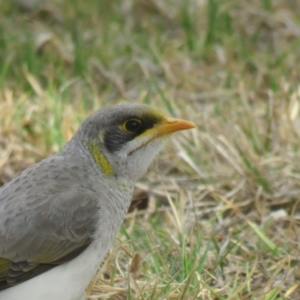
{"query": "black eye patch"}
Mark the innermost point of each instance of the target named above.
(115, 138)
(119, 134)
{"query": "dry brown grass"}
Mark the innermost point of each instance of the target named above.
(223, 215)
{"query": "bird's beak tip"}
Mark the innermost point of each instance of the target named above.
(170, 125)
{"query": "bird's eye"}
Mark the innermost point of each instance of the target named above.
(133, 125)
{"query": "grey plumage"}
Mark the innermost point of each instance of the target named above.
(77, 199)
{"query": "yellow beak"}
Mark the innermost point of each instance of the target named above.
(171, 125)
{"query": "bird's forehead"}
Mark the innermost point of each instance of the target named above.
(117, 114)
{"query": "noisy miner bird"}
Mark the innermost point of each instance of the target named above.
(58, 218)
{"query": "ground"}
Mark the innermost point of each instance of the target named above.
(219, 213)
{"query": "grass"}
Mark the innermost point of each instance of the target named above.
(223, 214)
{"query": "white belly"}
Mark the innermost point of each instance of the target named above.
(65, 282)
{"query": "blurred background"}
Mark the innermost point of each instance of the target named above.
(217, 215)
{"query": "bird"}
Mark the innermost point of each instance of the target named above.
(59, 217)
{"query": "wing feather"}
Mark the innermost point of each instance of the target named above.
(44, 221)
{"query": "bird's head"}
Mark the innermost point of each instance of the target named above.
(124, 139)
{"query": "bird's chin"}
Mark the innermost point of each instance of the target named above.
(154, 144)
(139, 158)
(142, 145)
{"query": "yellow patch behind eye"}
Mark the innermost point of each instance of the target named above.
(100, 159)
